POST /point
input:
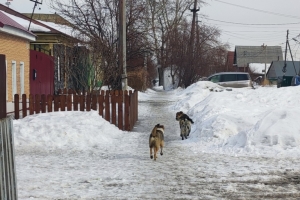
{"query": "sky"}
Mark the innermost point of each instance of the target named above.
(255, 22)
(241, 22)
(244, 144)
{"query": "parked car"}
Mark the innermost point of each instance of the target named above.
(231, 79)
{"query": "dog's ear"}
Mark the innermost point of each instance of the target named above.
(157, 125)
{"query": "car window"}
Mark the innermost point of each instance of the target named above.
(241, 77)
(214, 79)
(228, 77)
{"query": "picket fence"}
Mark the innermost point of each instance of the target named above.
(117, 107)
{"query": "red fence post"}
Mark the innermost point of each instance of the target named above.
(24, 106)
(63, 102)
(17, 106)
(37, 104)
(100, 102)
(3, 82)
(81, 100)
(43, 103)
(88, 102)
(120, 110)
(56, 103)
(75, 102)
(69, 102)
(113, 96)
(49, 102)
(127, 111)
(107, 106)
(31, 104)
(94, 102)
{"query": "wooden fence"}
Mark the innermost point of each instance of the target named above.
(118, 107)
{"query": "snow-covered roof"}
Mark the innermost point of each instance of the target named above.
(11, 25)
(62, 28)
(258, 68)
(25, 23)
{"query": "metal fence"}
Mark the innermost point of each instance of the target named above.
(8, 183)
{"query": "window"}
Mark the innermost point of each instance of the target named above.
(14, 78)
(228, 77)
(242, 77)
(215, 79)
(22, 83)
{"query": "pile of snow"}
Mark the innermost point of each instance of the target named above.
(261, 121)
(72, 130)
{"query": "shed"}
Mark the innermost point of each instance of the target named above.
(276, 68)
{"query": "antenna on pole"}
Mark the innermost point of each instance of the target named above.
(8, 2)
(35, 4)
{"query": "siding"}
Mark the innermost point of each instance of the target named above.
(15, 49)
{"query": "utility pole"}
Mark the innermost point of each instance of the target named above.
(122, 43)
(194, 11)
(265, 49)
(35, 4)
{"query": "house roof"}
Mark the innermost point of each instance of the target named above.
(36, 26)
(276, 68)
(10, 26)
(256, 54)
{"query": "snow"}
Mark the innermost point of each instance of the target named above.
(25, 23)
(244, 144)
(258, 68)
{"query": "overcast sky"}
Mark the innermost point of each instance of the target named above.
(242, 22)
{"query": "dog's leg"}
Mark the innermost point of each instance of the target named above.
(155, 152)
(161, 149)
(151, 155)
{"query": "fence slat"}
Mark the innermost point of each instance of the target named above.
(120, 110)
(94, 102)
(107, 106)
(69, 102)
(75, 102)
(49, 103)
(17, 104)
(63, 102)
(43, 103)
(88, 102)
(127, 110)
(37, 103)
(81, 100)
(113, 95)
(24, 106)
(101, 102)
(31, 104)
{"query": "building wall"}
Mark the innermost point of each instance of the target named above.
(15, 49)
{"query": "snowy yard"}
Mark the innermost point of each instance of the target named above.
(244, 144)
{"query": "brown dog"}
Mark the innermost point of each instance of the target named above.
(156, 140)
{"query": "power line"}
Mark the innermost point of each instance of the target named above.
(258, 10)
(251, 24)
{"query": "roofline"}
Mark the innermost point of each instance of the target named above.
(18, 32)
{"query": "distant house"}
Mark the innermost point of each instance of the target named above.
(229, 61)
(244, 55)
(56, 43)
(14, 44)
(277, 70)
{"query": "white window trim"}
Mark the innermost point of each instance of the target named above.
(14, 77)
(22, 78)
